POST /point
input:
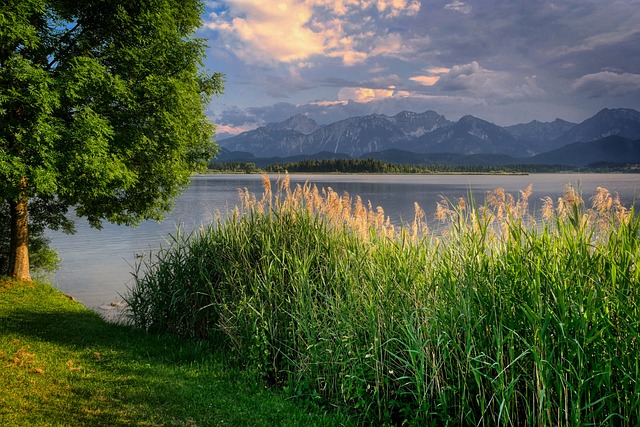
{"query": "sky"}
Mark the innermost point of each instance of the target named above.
(504, 61)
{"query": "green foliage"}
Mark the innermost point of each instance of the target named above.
(378, 166)
(494, 319)
(102, 105)
(234, 167)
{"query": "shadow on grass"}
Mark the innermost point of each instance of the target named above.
(103, 374)
(98, 373)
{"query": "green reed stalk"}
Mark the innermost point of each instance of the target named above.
(495, 319)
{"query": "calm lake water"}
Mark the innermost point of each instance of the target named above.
(97, 264)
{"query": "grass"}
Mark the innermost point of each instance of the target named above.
(495, 317)
(62, 365)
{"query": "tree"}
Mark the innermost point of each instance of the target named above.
(101, 109)
(42, 258)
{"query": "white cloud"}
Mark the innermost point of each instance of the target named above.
(328, 103)
(389, 81)
(607, 83)
(458, 6)
(389, 44)
(466, 77)
(476, 81)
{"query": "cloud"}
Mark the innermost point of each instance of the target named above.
(458, 6)
(256, 31)
(597, 42)
(440, 70)
(607, 83)
(388, 44)
(391, 80)
(473, 80)
(425, 80)
(397, 45)
(226, 130)
(287, 31)
(363, 94)
(432, 77)
(470, 77)
(393, 8)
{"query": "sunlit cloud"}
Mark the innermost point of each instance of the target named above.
(431, 78)
(440, 70)
(363, 94)
(258, 32)
(234, 130)
(397, 7)
(425, 80)
(288, 31)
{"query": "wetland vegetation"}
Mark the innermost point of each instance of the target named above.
(496, 317)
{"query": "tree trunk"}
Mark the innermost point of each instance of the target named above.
(19, 246)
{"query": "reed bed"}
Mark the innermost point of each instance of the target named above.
(494, 317)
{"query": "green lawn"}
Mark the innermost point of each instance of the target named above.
(62, 365)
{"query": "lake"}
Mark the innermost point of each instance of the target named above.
(97, 264)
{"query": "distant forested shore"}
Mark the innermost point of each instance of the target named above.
(378, 166)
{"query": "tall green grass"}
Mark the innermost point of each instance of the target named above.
(494, 318)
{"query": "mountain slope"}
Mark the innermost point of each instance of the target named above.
(539, 136)
(469, 135)
(623, 122)
(428, 132)
(611, 149)
(415, 125)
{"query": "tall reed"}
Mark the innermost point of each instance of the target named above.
(495, 317)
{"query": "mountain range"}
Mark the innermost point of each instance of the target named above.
(610, 136)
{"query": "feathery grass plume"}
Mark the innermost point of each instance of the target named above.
(266, 184)
(522, 206)
(571, 197)
(419, 227)
(621, 213)
(494, 321)
(442, 212)
(547, 211)
(497, 201)
(601, 201)
(285, 183)
(462, 204)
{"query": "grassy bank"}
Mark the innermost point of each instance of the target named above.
(495, 318)
(62, 365)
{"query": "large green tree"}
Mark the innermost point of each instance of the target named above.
(102, 108)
